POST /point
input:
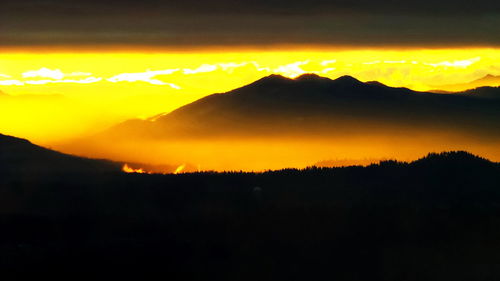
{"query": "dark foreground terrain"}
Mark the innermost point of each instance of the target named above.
(437, 218)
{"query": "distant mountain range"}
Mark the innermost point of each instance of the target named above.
(486, 81)
(277, 122)
(275, 105)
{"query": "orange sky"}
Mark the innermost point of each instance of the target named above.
(56, 95)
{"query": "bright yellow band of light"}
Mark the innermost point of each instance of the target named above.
(62, 94)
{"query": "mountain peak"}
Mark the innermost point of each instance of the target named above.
(346, 79)
(489, 77)
(273, 78)
(310, 77)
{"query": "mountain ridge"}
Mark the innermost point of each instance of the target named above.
(311, 96)
(488, 80)
(263, 124)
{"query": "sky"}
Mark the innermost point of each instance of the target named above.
(50, 96)
(74, 68)
(199, 23)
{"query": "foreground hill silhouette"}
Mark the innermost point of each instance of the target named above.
(21, 158)
(436, 218)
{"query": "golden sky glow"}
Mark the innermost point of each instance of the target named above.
(62, 95)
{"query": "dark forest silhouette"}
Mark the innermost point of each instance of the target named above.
(437, 218)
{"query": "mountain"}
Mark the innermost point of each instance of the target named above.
(277, 122)
(486, 81)
(276, 105)
(21, 158)
(491, 93)
(451, 159)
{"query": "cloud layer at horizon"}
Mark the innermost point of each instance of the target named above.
(46, 75)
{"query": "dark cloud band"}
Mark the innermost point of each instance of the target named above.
(252, 23)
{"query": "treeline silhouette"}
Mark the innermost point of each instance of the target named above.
(437, 218)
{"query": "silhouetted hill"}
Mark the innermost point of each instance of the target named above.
(21, 158)
(276, 105)
(460, 158)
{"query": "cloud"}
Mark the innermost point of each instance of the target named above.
(230, 66)
(201, 69)
(224, 66)
(44, 73)
(147, 77)
(327, 62)
(89, 80)
(326, 70)
(457, 63)
(291, 70)
(55, 74)
(11, 83)
(260, 68)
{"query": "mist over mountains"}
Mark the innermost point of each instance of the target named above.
(486, 81)
(277, 122)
